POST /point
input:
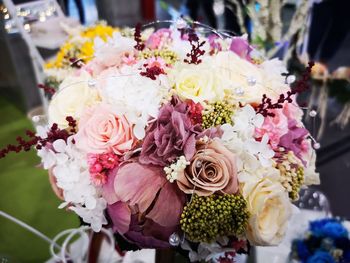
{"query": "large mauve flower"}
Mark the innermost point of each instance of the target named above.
(170, 136)
(102, 130)
(144, 207)
(295, 139)
(212, 169)
(241, 47)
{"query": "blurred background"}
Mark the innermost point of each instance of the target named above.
(295, 31)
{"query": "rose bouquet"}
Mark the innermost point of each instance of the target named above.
(181, 140)
(327, 240)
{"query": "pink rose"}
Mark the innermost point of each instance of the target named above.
(212, 170)
(101, 130)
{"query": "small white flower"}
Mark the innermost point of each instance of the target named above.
(48, 158)
(95, 217)
(262, 150)
(246, 120)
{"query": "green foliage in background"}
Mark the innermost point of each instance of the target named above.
(25, 193)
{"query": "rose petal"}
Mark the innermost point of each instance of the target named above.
(120, 214)
(168, 207)
(108, 191)
(138, 184)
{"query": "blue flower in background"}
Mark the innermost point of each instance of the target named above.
(346, 256)
(328, 228)
(335, 230)
(321, 257)
(317, 225)
(325, 237)
(302, 250)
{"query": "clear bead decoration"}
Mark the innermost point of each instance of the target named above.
(251, 81)
(239, 91)
(174, 240)
(317, 146)
(313, 113)
(36, 118)
(91, 83)
(181, 23)
(290, 79)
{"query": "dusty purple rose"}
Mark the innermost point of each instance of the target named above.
(294, 139)
(241, 47)
(172, 135)
(214, 43)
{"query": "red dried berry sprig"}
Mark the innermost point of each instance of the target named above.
(300, 86)
(137, 37)
(72, 123)
(47, 89)
(195, 112)
(53, 134)
(196, 51)
(22, 144)
(152, 72)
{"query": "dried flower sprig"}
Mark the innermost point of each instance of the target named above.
(300, 86)
(53, 134)
(152, 72)
(196, 51)
(23, 145)
(72, 123)
(137, 37)
(47, 89)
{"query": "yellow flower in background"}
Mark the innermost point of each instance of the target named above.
(87, 51)
(81, 48)
(100, 30)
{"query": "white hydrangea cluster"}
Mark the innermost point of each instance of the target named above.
(70, 169)
(239, 137)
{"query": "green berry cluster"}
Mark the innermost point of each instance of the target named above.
(297, 182)
(292, 179)
(220, 113)
(206, 218)
(170, 57)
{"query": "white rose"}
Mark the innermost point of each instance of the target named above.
(270, 210)
(72, 98)
(236, 72)
(272, 77)
(197, 82)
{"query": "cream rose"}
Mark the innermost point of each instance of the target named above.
(212, 169)
(197, 82)
(238, 75)
(270, 210)
(71, 100)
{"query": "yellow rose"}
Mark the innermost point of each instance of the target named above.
(270, 210)
(196, 82)
(248, 82)
(72, 98)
